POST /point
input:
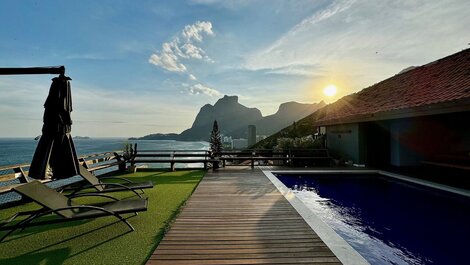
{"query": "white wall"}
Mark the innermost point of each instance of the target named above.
(343, 141)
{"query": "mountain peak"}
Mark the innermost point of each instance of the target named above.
(227, 100)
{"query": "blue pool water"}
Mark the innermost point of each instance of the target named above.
(389, 221)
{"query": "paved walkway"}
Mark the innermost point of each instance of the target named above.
(237, 216)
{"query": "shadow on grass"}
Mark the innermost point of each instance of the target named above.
(86, 245)
(52, 257)
(59, 256)
(30, 231)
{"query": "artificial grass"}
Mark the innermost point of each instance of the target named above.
(103, 240)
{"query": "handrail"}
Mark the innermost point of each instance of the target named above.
(101, 154)
(2, 168)
(16, 171)
(100, 161)
(180, 151)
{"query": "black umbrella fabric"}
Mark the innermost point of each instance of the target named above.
(55, 155)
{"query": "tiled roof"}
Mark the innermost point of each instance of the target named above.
(444, 81)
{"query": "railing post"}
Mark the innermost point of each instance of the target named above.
(121, 162)
(172, 164)
(133, 155)
(22, 178)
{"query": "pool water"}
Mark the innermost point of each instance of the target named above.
(389, 221)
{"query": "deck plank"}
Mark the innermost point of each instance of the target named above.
(239, 217)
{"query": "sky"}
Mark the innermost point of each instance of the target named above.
(141, 67)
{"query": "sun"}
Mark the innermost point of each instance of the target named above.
(330, 90)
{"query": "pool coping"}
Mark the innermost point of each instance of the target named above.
(426, 183)
(343, 251)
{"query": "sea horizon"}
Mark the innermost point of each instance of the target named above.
(19, 150)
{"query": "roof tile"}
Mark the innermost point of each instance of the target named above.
(444, 80)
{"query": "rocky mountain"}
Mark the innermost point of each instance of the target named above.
(233, 119)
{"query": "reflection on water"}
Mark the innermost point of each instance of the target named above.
(387, 221)
(344, 221)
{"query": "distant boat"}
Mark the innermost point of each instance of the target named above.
(37, 137)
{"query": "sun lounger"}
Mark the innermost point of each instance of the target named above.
(55, 203)
(101, 186)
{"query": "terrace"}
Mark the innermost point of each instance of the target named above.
(238, 216)
(234, 216)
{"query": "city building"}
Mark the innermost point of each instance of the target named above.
(251, 135)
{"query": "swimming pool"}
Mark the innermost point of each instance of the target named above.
(388, 221)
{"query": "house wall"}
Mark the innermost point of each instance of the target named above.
(400, 142)
(344, 142)
(424, 138)
(403, 153)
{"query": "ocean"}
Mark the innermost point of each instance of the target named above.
(20, 150)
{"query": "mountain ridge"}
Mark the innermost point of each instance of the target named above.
(233, 119)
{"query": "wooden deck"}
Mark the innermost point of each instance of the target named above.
(237, 216)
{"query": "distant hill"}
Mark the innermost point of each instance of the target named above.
(233, 119)
(158, 136)
(285, 116)
(301, 128)
(81, 138)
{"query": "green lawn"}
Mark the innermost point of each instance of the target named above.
(103, 240)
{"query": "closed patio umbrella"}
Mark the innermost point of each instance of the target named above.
(55, 155)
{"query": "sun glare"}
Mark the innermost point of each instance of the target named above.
(330, 90)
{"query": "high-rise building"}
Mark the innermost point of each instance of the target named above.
(251, 135)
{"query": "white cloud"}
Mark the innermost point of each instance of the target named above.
(192, 77)
(368, 39)
(197, 30)
(294, 69)
(168, 61)
(201, 89)
(333, 9)
(192, 51)
(182, 47)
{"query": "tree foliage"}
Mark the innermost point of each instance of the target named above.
(307, 142)
(215, 141)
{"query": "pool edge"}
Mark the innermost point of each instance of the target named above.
(343, 251)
